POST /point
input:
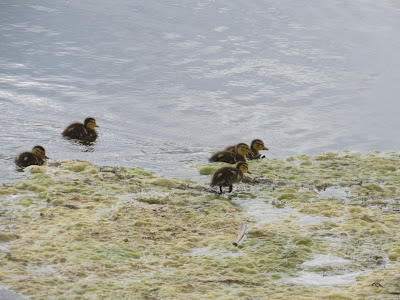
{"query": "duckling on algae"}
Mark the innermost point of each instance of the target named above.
(227, 176)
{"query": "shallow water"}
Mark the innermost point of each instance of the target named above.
(10, 295)
(308, 278)
(170, 82)
(267, 213)
(312, 278)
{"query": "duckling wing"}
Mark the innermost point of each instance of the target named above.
(225, 176)
(75, 131)
(223, 156)
(26, 159)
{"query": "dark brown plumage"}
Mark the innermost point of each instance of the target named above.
(36, 157)
(84, 132)
(230, 157)
(227, 176)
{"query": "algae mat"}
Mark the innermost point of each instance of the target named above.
(72, 230)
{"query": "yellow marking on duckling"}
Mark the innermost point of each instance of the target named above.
(259, 146)
(244, 168)
(92, 124)
(243, 149)
(39, 152)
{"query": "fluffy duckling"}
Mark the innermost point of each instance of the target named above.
(256, 146)
(84, 132)
(239, 154)
(227, 176)
(36, 157)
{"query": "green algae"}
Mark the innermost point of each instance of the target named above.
(77, 231)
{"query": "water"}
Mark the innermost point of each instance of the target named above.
(169, 82)
(267, 213)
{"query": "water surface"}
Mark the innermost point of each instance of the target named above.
(169, 82)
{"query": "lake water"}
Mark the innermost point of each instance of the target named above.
(170, 81)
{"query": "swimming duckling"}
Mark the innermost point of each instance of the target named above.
(256, 146)
(84, 132)
(36, 157)
(227, 176)
(239, 154)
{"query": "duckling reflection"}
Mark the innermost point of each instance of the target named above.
(239, 154)
(227, 176)
(36, 157)
(85, 132)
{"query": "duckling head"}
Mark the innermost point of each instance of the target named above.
(39, 152)
(242, 149)
(243, 167)
(258, 145)
(90, 123)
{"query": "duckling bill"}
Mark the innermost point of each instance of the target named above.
(227, 176)
(36, 157)
(239, 154)
(84, 132)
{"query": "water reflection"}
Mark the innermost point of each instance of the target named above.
(86, 146)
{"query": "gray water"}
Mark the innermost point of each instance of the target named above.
(170, 81)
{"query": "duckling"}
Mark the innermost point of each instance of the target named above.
(227, 176)
(239, 154)
(256, 146)
(84, 132)
(36, 157)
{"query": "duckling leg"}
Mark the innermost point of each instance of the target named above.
(230, 189)
(220, 189)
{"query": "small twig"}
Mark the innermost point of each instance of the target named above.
(240, 235)
(377, 284)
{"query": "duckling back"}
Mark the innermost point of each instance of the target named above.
(230, 148)
(226, 176)
(28, 158)
(225, 156)
(80, 132)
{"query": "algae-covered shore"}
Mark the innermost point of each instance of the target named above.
(72, 230)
